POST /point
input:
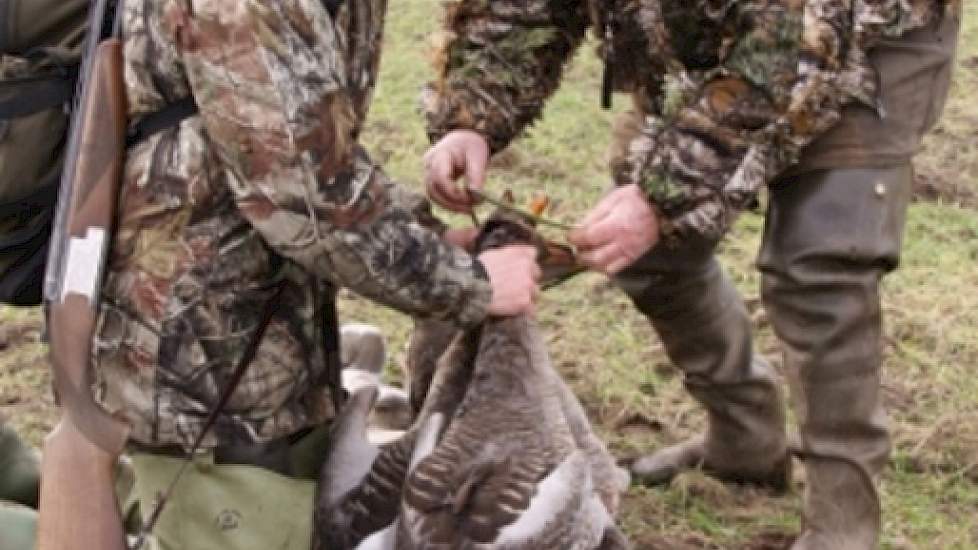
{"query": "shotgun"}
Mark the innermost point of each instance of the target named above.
(78, 507)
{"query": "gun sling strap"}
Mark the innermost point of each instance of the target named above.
(167, 117)
(33, 95)
(27, 96)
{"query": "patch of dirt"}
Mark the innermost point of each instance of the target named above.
(938, 187)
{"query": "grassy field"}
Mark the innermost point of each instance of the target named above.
(614, 361)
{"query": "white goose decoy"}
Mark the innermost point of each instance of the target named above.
(363, 355)
(516, 467)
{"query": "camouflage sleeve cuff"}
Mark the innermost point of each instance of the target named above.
(459, 288)
(452, 110)
(462, 274)
(686, 210)
(498, 62)
(413, 270)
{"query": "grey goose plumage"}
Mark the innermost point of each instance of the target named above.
(500, 457)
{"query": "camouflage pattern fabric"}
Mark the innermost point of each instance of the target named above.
(265, 193)
(726, 93)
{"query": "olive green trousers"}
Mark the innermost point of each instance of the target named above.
(233, 506)
(224, 506)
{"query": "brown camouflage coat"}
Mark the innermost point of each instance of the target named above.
(264, 194)
(726, 92)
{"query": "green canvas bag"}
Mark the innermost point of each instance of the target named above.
(40, 48)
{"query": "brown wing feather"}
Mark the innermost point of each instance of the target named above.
(370, 506)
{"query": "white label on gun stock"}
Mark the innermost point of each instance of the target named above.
(84, 260)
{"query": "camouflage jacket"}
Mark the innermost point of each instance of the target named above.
(726, 92)
(263, 197)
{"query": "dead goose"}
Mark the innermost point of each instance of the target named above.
(359, 493)
(516, 467)
(508, 472)
(431, 337)
(501, 455)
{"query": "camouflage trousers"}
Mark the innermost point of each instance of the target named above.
(218, 506)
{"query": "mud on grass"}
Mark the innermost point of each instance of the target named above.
(615, 363)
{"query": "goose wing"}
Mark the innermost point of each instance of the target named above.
(360, 484)
(512, 504)
(503, 501)
(452, 500)
(429, 341)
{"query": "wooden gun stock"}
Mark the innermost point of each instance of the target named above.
(97, 171)
(78, 508)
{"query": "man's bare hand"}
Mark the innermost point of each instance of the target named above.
(513, 274)
(616, 232)
(461, 153)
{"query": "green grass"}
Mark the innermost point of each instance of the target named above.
(614, 361)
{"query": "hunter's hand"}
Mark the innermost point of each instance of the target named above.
(616, 232)
(513, 275)
(461, 153)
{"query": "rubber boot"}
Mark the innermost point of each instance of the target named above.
(704, 326)
(830, 237)
(19, 469)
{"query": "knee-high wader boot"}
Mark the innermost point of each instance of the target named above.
(833, 230)
(706, 331)
(830, 237)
